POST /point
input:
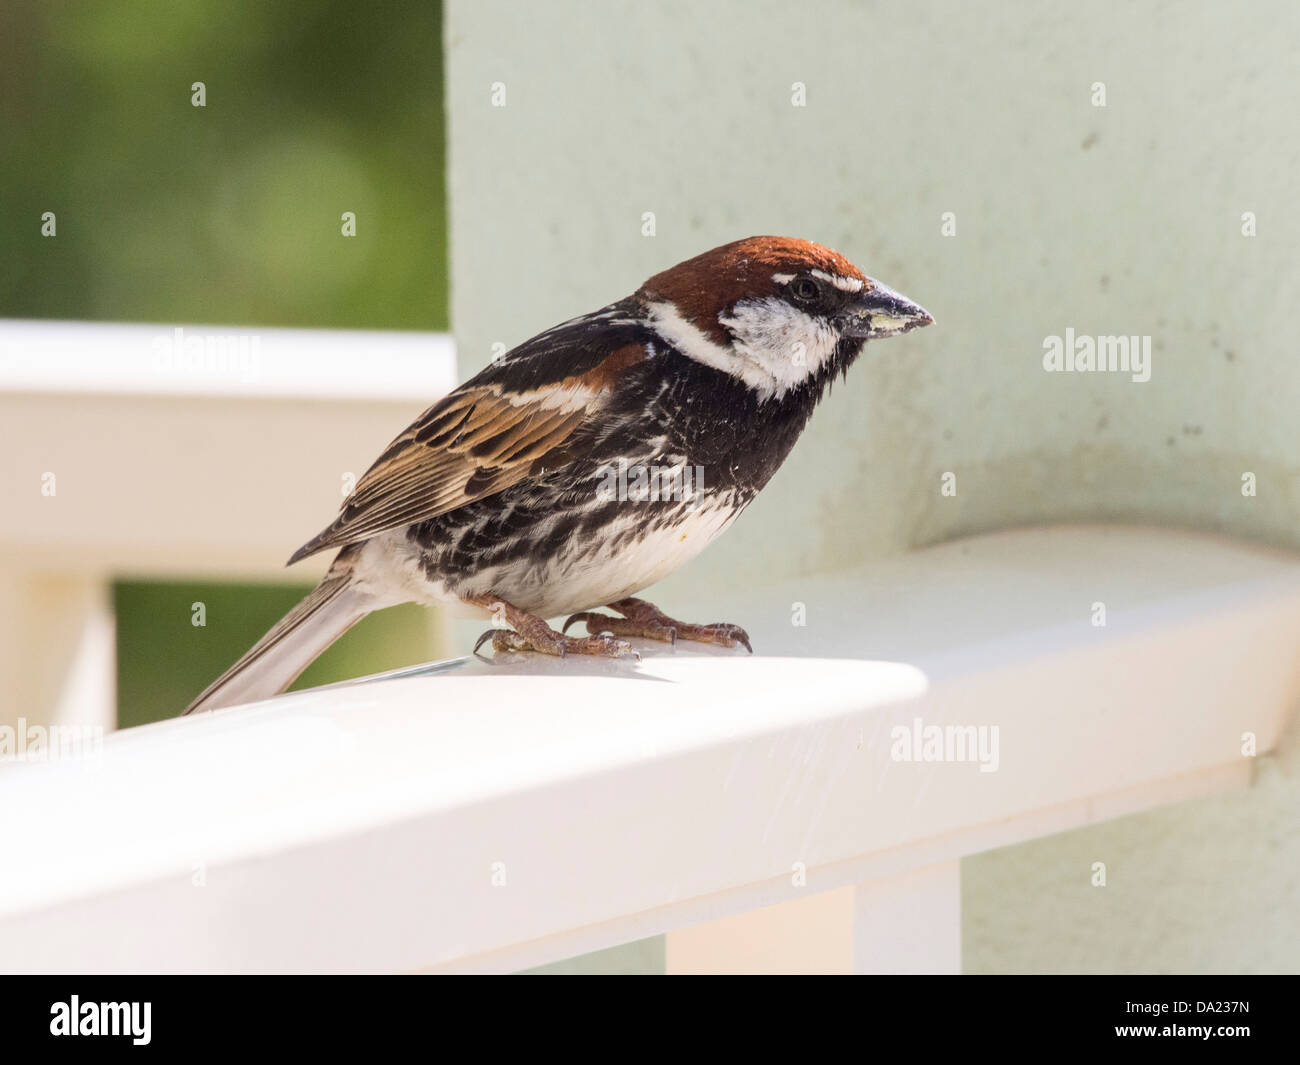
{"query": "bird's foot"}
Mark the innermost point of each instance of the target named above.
(557, 644)
(647, 620)
(531, 633)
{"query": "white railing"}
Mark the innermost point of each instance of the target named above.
(488, 817)
(172, 450)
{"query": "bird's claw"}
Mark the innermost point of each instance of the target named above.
(557, 644)
(729, 635)
(647, 621)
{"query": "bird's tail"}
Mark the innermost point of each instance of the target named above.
(277, 659)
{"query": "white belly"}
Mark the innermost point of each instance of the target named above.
(593, 571)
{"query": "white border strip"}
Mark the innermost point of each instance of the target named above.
(234, 360)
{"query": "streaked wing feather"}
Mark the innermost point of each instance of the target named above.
(483, 437)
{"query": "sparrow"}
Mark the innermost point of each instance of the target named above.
(591, 461)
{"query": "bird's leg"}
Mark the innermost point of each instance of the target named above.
(528, 632)
(645, 619)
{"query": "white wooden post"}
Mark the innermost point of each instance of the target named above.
(909, 923)
(56, 649)
(811, 936)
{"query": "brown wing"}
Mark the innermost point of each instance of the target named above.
(474, 443)
(495, 429)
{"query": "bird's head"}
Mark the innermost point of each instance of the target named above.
(774, 312)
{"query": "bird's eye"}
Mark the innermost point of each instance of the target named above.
(805, 289)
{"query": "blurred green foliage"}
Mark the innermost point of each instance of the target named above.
(226, 213)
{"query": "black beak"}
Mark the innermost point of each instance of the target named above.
(882, 312)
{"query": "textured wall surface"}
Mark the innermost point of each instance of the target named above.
(1123, 219)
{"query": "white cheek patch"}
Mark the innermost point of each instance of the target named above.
(777, 347)
(782, 345)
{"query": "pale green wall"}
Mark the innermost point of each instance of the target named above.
(1116, 220)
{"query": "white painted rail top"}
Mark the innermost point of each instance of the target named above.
(222, 360)
(494, 816)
